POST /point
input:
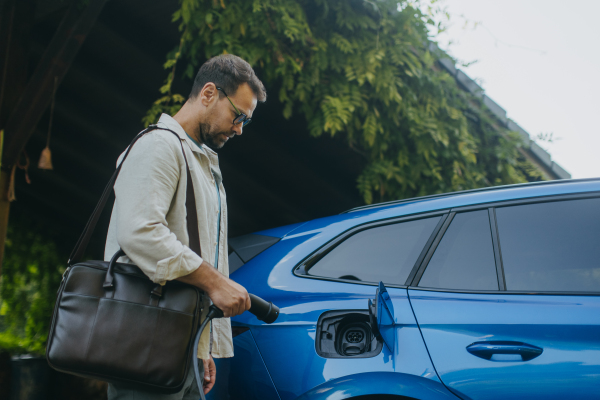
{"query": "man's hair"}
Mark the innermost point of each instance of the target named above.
(228, 72)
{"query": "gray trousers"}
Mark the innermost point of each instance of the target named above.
(189, 391)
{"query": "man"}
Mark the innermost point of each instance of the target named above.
(149, 216)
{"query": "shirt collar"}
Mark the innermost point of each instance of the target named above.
(166, 121)
(195, 142)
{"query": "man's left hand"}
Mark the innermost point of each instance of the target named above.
(210, 374)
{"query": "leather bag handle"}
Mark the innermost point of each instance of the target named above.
(190, 203)
(109, 284)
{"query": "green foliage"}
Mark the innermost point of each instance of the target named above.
(361, 69)
(31, 274)
(169, 104)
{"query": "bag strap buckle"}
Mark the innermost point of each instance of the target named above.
(157, 291)
(155, 295)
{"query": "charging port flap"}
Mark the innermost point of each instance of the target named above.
(381, 313)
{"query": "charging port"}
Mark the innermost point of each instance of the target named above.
(346, 334)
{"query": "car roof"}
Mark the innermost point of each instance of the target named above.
(531, 188)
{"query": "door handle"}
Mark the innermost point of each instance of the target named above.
(487, 350)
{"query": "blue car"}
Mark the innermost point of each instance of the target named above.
(483, 294)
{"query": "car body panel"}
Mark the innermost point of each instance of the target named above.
(290, 341)
(567, 328)
(372, 383)
(280, 231)
(245, 376)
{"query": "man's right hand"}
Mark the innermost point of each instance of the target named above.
(231, 297)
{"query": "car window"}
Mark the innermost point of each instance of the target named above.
(464, 259)
(551, 246)
(385, 253)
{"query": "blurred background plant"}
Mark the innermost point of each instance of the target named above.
(31, 274)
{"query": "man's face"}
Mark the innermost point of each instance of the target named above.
(218, 127)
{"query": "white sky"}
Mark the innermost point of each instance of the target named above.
(540, 61)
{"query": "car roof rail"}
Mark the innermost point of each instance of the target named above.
(485, 189)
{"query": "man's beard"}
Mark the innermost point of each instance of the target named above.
(211, 138)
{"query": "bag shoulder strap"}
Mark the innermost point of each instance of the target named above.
(190, 204)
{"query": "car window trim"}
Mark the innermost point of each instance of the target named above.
(431, 250)
(511, 292)
(425, 249)
(301, 269)
(497, 249)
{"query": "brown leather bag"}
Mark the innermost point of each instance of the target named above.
(114, 324)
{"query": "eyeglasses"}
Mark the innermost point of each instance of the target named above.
(240, 118)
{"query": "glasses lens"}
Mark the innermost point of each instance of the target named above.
(247, 121)
(241, 119)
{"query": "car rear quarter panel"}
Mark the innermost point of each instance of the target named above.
(288, 346)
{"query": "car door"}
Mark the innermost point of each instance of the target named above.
(507, 300)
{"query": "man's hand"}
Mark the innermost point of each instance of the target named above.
(229, 296)
(210, 374)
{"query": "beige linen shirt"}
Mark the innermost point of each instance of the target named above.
(148, 219)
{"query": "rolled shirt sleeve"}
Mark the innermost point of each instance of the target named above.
(144, 190)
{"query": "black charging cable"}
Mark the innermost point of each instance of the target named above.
(263, 310)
